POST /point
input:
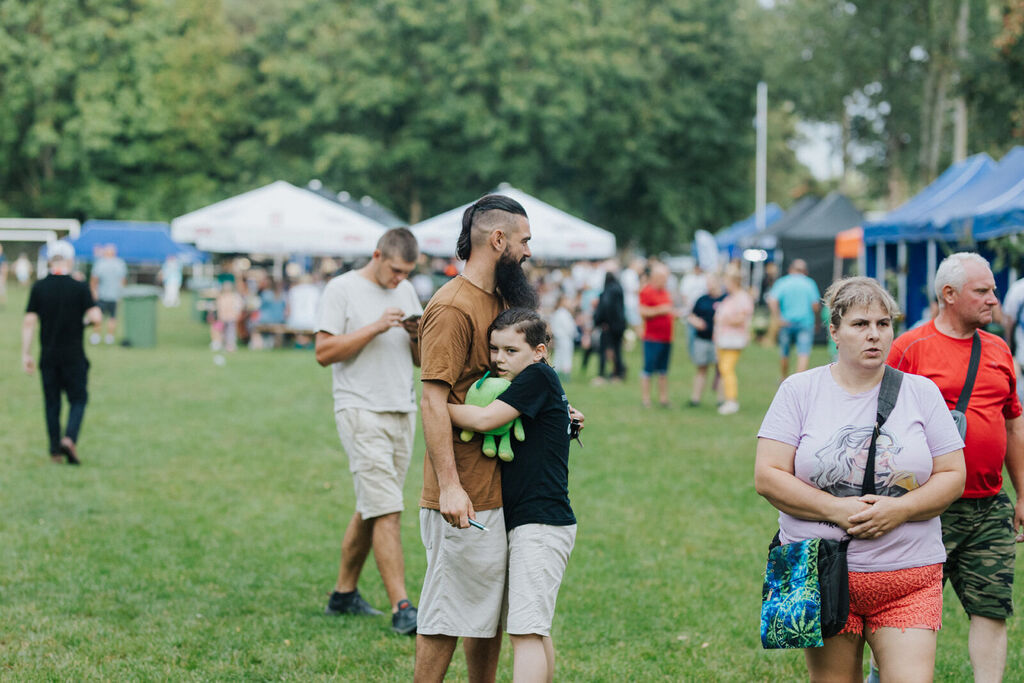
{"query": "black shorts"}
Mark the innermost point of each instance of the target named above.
(108, 308)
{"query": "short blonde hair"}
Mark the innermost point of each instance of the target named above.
(851, 292)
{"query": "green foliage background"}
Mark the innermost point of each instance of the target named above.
(637, 116)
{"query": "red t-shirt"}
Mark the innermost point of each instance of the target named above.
(944, 360)
(659, 327)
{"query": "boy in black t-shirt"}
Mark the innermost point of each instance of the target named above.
(62, 306)
(540, 523)
(702, 351)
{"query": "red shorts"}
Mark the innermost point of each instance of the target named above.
(905, 598)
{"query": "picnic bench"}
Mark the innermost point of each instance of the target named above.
(280, 332)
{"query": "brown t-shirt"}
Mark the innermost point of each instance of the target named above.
(453, 350)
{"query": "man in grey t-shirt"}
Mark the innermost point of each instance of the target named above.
(107, 281)
(368, 332)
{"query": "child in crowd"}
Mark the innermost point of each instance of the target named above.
(230, 307)
(540, 523)
(564, 331)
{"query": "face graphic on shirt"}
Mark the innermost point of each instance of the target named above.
(841, 463)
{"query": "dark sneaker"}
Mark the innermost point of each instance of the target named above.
(404, 620)
(350, 603)
(67, 447)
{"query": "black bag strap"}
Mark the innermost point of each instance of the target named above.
(972, 372)
(887, 395)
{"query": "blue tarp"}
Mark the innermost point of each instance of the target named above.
(136, 242)
(913, 220)
(994, 208)
(729, 238)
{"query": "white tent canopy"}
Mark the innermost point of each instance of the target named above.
(279, 219)
(556, 235)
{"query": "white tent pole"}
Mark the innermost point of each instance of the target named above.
(1012, 272)
(862, 258)
(880, 263)
(762, 154)
(932, 265)
(901, 274)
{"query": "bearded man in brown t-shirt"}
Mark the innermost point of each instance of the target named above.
(465, 578)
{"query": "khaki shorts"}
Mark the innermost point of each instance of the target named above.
(379, 447)
(464, 584)
(537, 557)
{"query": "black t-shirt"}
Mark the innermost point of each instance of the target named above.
(704, 308)
(60, 301)
(535, 485)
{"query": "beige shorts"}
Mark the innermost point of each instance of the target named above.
(379, 447)
(537, 557)
(464, 585)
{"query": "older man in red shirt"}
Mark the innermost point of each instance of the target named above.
(978, 530)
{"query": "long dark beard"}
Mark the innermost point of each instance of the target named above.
(513, 285)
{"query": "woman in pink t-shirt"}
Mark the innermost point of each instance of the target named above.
(811, 454)
(732, 334)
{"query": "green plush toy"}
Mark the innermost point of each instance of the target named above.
(480, 394)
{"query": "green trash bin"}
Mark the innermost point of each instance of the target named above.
(138, 304)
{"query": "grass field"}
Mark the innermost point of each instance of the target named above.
(199, 539)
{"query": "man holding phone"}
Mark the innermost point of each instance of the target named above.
(368, 332)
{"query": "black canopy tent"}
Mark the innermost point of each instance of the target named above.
(808, 231)
(769, 237)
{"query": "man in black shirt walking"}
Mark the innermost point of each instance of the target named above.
(62, 306)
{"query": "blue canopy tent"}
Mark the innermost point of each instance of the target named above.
(972, 191)
(729, 238)
(992, 208)
(137, 243)
(911, 221)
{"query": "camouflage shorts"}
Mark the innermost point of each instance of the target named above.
(979, 538)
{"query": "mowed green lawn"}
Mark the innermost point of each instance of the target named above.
(199, 539)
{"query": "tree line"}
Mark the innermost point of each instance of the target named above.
(637, 116)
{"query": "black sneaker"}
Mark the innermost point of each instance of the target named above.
(350, 603)
(404, 620)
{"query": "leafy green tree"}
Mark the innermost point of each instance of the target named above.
(994, 79)
(888, 74)
(113, 108)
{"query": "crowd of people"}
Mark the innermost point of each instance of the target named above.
(498, 532)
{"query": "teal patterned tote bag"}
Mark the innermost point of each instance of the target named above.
(806, 593)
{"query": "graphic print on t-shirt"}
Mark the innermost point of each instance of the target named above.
(841, 463)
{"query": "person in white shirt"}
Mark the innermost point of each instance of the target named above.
(368, 333)
(1013, 326)
(563, 331)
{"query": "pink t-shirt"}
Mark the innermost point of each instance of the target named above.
(831, 430)
(732, 320)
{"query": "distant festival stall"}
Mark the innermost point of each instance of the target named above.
(556, 235)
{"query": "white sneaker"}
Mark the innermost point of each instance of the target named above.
(109, 339)
(728, 408)
(95, 338)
